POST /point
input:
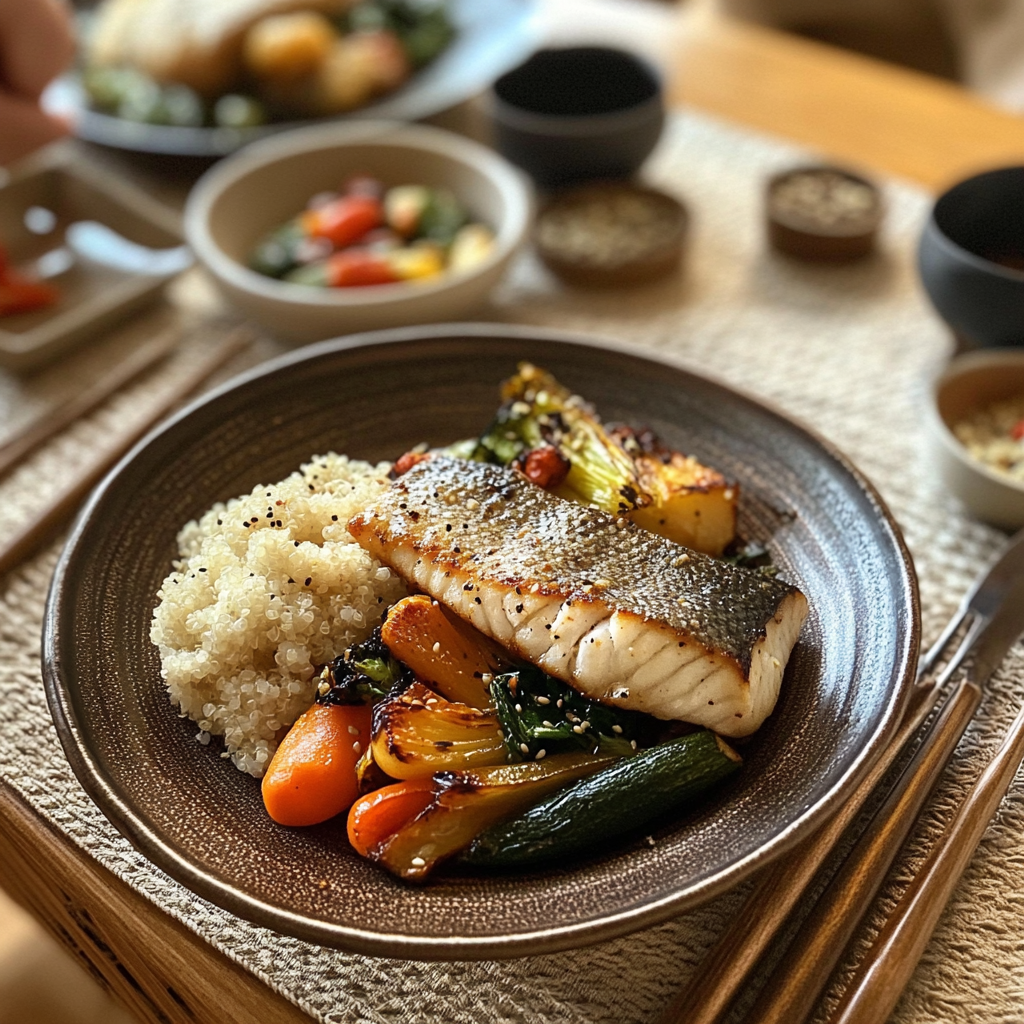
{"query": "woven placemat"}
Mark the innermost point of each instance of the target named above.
(850, 351)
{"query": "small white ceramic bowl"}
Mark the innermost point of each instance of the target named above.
(242, 198)
(969, 383)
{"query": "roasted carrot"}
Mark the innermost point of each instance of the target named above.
(380, 814)
(312, 777)
(442, 649)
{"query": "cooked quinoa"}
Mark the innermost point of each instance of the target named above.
(268, 587)
(994, 435)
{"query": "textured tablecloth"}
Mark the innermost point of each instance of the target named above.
(849, 351)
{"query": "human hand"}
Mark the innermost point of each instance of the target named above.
(36, 44)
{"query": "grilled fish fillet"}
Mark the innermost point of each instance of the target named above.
(620, 614)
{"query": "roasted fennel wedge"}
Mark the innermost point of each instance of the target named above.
(417, 733)
(464, 804)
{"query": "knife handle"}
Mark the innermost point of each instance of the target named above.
(883, 974)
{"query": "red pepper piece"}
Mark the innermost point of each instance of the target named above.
(20, 295)
(405, 462)
(1017, 431)
(344, 220)
(544, 466)
(355, 267)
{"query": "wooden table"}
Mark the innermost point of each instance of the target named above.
(877, 116)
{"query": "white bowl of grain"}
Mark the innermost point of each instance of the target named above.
(977, 427)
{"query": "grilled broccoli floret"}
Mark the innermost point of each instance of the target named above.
(365, 673)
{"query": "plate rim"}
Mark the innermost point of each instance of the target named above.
(452, 948)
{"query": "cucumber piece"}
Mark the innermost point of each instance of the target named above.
(236, 110)
(442, 217)
(314, 275)
(627, 795)
(428, 37)
(275, 255)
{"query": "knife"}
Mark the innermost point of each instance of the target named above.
(793, 989)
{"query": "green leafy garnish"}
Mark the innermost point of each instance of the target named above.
(364, 674)
(543, 714)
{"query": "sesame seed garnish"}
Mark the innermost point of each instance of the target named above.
(632, 743)
(353, 731)
(357, 747)
(486, 678)
(540, 753)
(578, 729)
(558, 703)
(519, 709)
(617, 729)
(547, 724)
(418, 862)
(524, 748)
(472, 504)
(436, 647)
(543, 700)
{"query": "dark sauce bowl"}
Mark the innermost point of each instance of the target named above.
(579, 114)
(971, 258)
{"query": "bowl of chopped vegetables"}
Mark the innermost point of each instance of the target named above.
(978, 434)
(347, 227)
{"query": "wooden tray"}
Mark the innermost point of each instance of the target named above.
(94, 296)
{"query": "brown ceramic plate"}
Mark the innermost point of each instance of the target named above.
(374, 396)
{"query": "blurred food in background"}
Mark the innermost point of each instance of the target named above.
(369, 234)
(240, 63)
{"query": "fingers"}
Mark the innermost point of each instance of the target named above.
(24, 127)
(36, 44)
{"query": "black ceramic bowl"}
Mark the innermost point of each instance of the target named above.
(971, 258)
(578, 114)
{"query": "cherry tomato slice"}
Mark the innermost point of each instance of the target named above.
(345, 220)
(355, 267)
(19, 295)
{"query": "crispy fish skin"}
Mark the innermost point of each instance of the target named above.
(620, 614)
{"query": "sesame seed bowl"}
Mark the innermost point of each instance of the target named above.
(374, 396)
